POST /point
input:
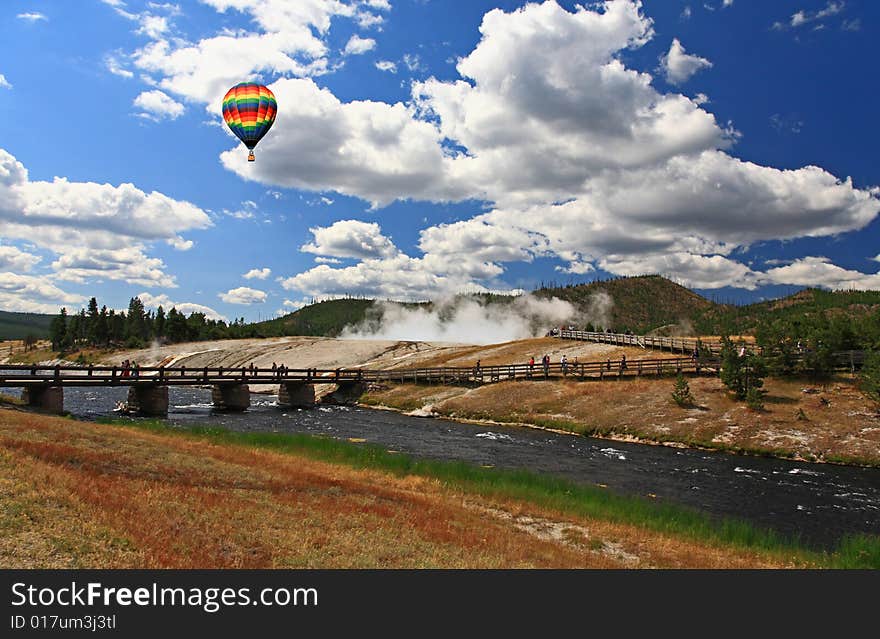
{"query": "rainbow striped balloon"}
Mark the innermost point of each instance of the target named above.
(249, 110)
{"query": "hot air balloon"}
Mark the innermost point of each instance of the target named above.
(249, 110)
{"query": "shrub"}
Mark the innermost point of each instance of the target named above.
(681, 392)
(755, 398)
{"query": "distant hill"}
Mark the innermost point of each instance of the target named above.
(20, 325)
(803, 304)
(324, 319)
(637, 304)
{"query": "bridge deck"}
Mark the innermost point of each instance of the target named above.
(77, 376)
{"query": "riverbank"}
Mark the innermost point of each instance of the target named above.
(822, 422)
(831, 422)
(75, 494)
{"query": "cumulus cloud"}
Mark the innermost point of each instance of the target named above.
(243, 295)
(187, 308)
(286, 38)
(819, 271)
(33, 294)
(357, 45)
(96, 231)
(128, 264)
(12, 258)
(4, 83)
(680, 66)
(579, 157)
(350, 238)
(368, 149)
(257, 273)
(156, 105)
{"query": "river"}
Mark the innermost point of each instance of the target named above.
(817, 502)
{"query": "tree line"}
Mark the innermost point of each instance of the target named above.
(103, 328)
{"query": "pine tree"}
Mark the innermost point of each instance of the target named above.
(681, 392)
(869, 378)
(58, 330)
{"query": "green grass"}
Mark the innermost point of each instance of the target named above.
(559, 494)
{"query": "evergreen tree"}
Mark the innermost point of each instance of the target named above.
(159, 323)
(102, 328)
(869, 378)
(136, 331)
(92, 322)
(741, 370)
(58, 330)
(681, 392)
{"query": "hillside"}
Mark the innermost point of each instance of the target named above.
(20, 325)
(637, 304)
(803, 304)
(324, 319)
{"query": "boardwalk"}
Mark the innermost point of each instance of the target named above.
(148, 386)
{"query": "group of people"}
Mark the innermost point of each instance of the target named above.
(129, 368)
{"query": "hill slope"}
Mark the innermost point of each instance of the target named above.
(803, 304)
(20, 325)
(638, 304)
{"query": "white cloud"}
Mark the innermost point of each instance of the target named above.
(819, 271)
(371, 150)
(115, 66)
(292, 305)
(727, 3)
(129, 264)
(4, 83)
(33, 294)
(243, 295)
(96, 230)
(12, 258)
(179, 244)
(32, 16)
(803, 17)
(686, 13)
(156, 105)
(350, 238)
(386, 65)
(257, 273)
(288, 40)
(413, 62)
(327, 260)
(357, 45)
(546, 124)
(187, 308)
(679, 66)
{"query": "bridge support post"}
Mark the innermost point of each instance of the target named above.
(44, 397)
(150, 400)
(347, 392)
(231, 397)
(296, 394)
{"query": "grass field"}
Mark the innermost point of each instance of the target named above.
(79, 494)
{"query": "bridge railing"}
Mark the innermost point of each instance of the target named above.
(679, 344)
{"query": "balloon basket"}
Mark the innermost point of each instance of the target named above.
(251, 157)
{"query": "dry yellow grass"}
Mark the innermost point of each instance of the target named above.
(76, 494)
(832, 421)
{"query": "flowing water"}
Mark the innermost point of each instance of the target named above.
(817, 502)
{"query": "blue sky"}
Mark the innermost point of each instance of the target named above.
(428, 147)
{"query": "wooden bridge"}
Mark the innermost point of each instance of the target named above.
(148, 386)
(673, 344)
